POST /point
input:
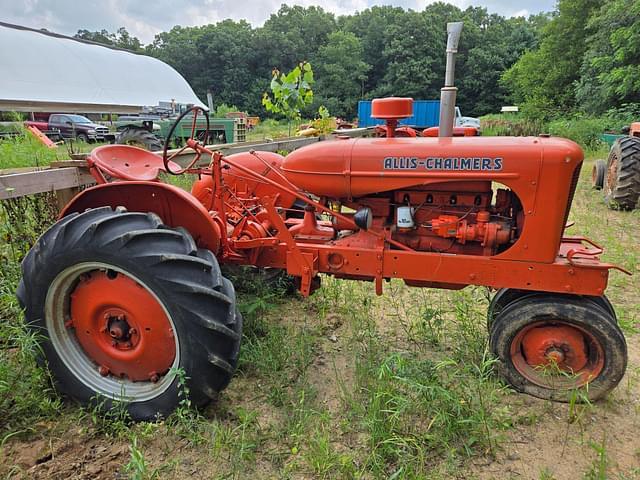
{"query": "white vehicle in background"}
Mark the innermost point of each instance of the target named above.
(466, 121)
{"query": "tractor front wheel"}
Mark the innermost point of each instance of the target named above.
(505, 296)
(550, 346)
(130, 310)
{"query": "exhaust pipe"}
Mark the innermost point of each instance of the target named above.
(448, 92)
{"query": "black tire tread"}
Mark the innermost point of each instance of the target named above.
(188, 281)
(626, 193)
(140, 137)
(586, 314)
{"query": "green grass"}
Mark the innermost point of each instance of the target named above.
(270, 129)
(25, 150)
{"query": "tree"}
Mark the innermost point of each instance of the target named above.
(291, 92)
(543, 79)
(340, 73)
(120, 39)
(610, 72)
(371, 26)
(294, 34)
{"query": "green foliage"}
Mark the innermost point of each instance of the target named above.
(222, 110)
(542, 80)
(610, 72)
(324, 123)
(12, 117)
(291, 92)
(341, 73)
(24, 150)
(121, 38)
(137, 468)
(581, 128)
(381, 50)
(25, 392)
(588, 59)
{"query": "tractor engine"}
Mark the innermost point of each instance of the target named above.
(421, 192)
(452, 217)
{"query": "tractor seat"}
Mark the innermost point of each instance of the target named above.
(127, 162)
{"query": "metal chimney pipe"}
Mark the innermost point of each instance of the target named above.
(448, 92)
(210, 100)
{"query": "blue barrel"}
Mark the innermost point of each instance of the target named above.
(426, 113)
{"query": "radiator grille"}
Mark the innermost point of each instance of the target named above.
(572, 191)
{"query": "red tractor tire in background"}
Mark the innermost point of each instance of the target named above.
(130, 310)
(622, 179)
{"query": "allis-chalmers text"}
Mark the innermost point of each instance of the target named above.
(442, 163)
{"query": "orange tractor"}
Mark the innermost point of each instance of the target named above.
(126, 290)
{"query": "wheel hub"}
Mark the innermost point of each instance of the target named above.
(121, 327)
(562, 346)
(546, 350)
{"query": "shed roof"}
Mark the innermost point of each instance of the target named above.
(44, 71)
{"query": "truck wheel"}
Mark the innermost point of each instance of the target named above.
(126, 308)
(597, 174)
(82, 137)
(139, 138)
(548, 346)
(622, 181)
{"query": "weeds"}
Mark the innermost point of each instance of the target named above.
(599, 468)
(137, 468)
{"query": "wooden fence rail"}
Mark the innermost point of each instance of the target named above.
(67, 176)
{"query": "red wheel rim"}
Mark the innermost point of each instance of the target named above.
(557, 354)
(121, 326)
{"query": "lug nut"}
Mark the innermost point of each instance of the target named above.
(153, 376)
(102, 370)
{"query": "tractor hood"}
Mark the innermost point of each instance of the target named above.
(348, 168)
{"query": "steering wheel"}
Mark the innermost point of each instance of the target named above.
(202, 140)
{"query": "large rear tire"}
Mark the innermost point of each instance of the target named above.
(127, 308)
(622, 180)
(549, 346)
(139, 138)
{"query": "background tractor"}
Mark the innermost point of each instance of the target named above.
(619, 176)
(150, 131)
(126, 291)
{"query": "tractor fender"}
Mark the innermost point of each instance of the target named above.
(173, 205)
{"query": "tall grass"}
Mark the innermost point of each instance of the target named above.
(25, 392)
(24, 150)
(581, 128)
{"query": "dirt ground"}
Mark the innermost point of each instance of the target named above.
(542, 441)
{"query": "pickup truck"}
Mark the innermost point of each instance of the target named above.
(79, 127)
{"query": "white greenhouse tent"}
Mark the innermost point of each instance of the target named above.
(47, 72)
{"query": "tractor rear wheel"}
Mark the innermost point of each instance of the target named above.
(598, 172)
(128, 310)
(549, 346)
(622, 180)
(139, 137)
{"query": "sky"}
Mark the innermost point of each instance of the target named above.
(145, 18)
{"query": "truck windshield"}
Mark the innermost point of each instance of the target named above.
(78, 119)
